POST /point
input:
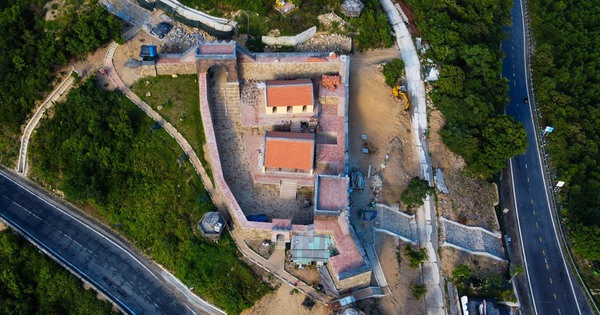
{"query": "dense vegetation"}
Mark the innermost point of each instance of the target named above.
(566, 67)
(370, 30)
(99, 150)
(465, 38)
(483, 285)
(31, 283)
(32, 49)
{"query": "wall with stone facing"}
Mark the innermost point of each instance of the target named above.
(358, 281)
(286, 70)
(290, 40)
(176, 68)
(167, 69)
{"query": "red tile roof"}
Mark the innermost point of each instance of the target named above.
(291, 150)
(289, 93)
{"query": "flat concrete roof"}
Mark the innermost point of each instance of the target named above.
(332, 193)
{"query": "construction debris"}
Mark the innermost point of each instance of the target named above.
(352, 8)
(331, 20)
(376, 184)
(182, 37)
(330, 82)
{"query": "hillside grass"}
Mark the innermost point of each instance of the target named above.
(180, 105)
(99, 150)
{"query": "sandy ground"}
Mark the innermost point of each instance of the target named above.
(131, 49)
(401, 277)
(282, 302)
(384, 122)
(2, 226)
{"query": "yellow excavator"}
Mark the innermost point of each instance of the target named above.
(399, 94)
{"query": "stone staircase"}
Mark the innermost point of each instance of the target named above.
(296, 127)
(280, 244)
(287, 190)
(216, 100)
(377, 270)
(231, 95)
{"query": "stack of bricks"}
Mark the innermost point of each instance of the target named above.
(330, 82)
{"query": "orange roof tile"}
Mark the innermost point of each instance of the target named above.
(291, 150)
(289, 93)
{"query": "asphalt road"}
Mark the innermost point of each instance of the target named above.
(137, 285)
(553, 287)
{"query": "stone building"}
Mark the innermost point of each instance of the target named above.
(289, 152)
(289, 96)
(212, 225)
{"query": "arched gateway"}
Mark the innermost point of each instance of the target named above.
(222, 53)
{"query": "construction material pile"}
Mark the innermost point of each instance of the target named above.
(330, 82)
(249, 93)
(331, 21)
(376, 184)
(327, 43)
(182, 37)
(352, 8)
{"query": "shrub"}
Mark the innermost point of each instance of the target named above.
(419, 290)
(415, 257)
(392, 71)
(461, 273)
(414, 195)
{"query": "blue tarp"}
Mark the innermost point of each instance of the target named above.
(258, 218)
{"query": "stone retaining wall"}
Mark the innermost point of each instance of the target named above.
(290, 40)
(358, 281)
(167, 69)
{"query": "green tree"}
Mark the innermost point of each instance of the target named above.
(414, 195)
(465, 39)
(98, 149)
(393, 71)
(503, 138)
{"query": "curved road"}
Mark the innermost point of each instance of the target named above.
(552, 286)
(134, 283)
